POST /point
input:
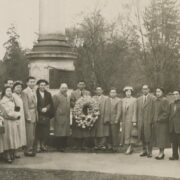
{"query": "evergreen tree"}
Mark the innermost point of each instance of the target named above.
(14, 61)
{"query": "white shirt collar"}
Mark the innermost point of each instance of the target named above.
(42, 93)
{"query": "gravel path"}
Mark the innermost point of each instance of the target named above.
(106, 163)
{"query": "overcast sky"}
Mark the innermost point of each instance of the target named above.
(24, 14)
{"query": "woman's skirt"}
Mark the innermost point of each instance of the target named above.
(11, 138)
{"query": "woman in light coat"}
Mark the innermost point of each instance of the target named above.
(17, 90)
(11, 118)
(128, 119)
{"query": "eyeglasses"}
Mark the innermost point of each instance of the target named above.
(176, 94)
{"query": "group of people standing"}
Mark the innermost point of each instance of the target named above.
(149, 119)
(25, 115)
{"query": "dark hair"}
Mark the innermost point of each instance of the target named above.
(132, 92)
(162, 89)
(4, 91)
(42, 81)
(16, 84)
(29, 78)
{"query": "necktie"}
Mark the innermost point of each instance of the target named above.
(81, 93)
(174, 108)
(145, 98)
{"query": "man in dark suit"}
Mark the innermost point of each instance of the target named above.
(145, 115)
(101, 128)
(113, 113)
(174, 125)
(45, 113)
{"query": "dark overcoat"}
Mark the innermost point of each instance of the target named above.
(101, 128)
(174, 118)
(161, 122)
(46, 102)
(43, 123)
(145, 115)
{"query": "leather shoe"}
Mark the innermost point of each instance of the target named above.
(29, 154)
(173, 158)
(160, 157)
(103, 148)
(61, 150)
(143, 154)
(17, 156)
(149, 155)
(96, 148)
(9, 161)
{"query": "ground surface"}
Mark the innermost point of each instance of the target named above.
(72, 163)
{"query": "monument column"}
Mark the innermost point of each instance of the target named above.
(52, 17)
(52, 50)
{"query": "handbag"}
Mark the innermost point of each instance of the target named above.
(17, 109)
(134, 132)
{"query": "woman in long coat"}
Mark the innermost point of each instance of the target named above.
(11, 118)
(161, 122)
(17, 89)
(128, 119)
(62, 117)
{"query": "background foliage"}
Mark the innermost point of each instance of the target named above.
(136, 48)
(130, 51)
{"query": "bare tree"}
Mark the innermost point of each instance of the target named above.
(159, 32)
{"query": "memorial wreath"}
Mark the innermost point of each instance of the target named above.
(86, 112)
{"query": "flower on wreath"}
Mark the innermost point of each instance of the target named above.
(86, 112)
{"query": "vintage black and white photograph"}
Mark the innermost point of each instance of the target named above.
(89, 89)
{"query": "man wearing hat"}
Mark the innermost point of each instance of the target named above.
(31, 115)
(45, 113)
(145, 115)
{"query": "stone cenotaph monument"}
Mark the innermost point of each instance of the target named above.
(52, 58)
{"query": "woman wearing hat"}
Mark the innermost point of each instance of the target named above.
(128, 119)
(161, 116)
(17, 90)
